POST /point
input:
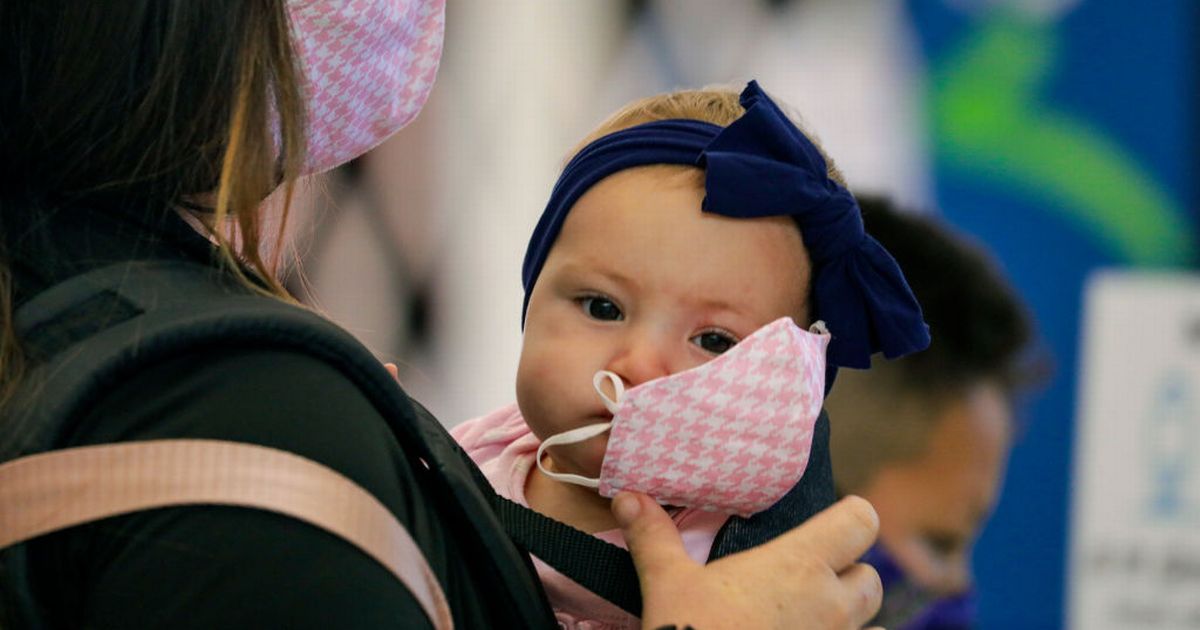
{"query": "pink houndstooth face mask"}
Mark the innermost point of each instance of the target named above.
(732, 435)
(368, 65)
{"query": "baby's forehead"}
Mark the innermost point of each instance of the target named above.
(663, 239)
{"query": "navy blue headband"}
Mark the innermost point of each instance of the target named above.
(762, 165)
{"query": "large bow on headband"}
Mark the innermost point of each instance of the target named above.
(762, 165)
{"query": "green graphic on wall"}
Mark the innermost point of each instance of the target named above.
(990, 122)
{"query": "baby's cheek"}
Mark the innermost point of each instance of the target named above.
(539, 400)
(592, 451)
(529, 400)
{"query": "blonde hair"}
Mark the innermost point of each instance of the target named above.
(716, 105)
(252, 166)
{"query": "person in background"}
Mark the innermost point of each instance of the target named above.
(926, 438)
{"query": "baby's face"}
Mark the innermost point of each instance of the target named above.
(643, 284)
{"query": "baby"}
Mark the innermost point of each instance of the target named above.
(687, 223)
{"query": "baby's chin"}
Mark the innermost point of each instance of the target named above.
(581, 459)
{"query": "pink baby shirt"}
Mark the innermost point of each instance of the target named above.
(504, 448)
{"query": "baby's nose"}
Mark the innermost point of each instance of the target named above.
(642, 359)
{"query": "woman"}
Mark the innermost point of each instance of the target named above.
(152, 130)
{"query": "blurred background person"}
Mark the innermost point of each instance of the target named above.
(926, 438)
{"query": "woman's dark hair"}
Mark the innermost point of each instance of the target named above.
(160, 103)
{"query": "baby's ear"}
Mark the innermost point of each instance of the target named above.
(393, 370)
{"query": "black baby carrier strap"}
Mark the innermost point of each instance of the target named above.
(91, 332)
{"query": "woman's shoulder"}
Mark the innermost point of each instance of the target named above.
(264, 567)
(284, 399)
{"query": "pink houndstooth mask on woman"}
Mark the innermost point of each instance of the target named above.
(732, 435)
(368, 65)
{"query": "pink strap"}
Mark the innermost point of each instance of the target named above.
(51, 491)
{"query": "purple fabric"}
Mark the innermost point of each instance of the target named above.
(909, 606)
(762, 165)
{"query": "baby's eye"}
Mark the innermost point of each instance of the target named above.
(714, 341)
(601, 308)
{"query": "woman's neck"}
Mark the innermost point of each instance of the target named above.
(577, 506)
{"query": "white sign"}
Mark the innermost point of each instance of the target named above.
(1135, 527)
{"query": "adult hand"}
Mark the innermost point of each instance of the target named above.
(806, 578)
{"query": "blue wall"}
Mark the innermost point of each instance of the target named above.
(1065, 142)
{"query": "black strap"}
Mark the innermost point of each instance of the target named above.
(97, 327)
(601, 567)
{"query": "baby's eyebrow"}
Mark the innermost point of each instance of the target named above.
(718, 304)
(584, 268)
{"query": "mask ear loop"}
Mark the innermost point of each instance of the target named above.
(819, 328)
(618, 389)
(570, 437)
(584, 433)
